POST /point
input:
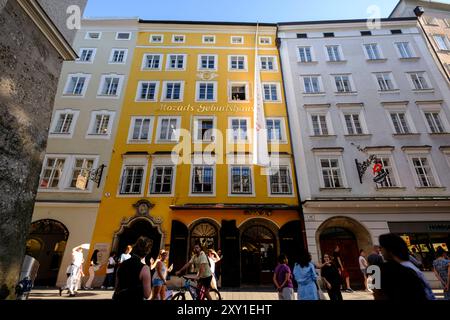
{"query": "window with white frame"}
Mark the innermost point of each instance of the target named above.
(141, 129)
(237, 40)
(239, 129)
(280, 181)
(147, 91)
(238, 92)
(271, 91)
(123, 35)
(52, 172)
(275, 129)
(202, 179)
(343, 83)
(400, 122)
(423, 171)
(176, 61)
(173, 91)
(206, 91)
(404, 49)
(373, 51)
(168, 128)
(93, 35)
(118, 56)
(87, 55)
(353, 124)
(156, 38)
(209, 39)
(268, 63)
(334, 53)
(203, 128)
(389, 167)
(419, 80)
(152, 62)
(434, 121)
(241, 180)
(331, 173)
(305, 54)
(207, 62)
(132, 178)
(101, 123)
(81, 166)
(76, 84)
(311, 84)
(162, 179)
(442, 42)
(265, 40)
(110, 85)
(237, 63)
(319, 124)
(64, 122)
(178, 38)
(385, 82)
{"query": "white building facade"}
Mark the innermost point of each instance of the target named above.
(81, 138)
(352, 92)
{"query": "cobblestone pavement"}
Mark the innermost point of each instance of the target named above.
(227, 294)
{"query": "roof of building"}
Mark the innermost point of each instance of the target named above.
(224, 23)
(343, 21)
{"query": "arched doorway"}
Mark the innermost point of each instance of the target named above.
(47, 243)
(138, 227)
(206, 233)
(259, 249)
(351, 236)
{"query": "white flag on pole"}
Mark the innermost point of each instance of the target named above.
(260, 149)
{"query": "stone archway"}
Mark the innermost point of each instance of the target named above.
(141, 224)
(205, 232)
(46, 243)
(350, 235)
(259, 250)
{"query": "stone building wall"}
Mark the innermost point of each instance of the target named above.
(29, 71)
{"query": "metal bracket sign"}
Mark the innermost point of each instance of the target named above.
(380, 173)
(93, 175)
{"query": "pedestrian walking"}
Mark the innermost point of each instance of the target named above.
(363, 267)
(306, 277)
(397, 282)
(133, 277)
(74, 271)
(282, 278)
(126, 255)
(340, 265)
(93, 268)
(159, 278)
(375, 258)
(213, 260)
(110, 272)
(219, 269)
(331, 277)
(441, 268)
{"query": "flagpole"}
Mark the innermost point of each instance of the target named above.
(260, 147)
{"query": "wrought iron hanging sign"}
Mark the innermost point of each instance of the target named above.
(380, 174)
(93, 175)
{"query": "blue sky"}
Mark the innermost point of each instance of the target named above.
(238, 10)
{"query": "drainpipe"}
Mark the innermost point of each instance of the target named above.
(300, 210)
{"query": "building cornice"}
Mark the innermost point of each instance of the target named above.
(384, 202)
(416, 148)
(38, 15)
(67, 204)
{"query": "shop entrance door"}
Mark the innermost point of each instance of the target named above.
(348, 245)
(258, 255)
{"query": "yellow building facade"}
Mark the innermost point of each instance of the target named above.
(181, 170)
